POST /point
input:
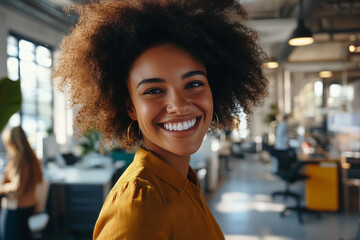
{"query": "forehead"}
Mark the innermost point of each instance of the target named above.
(163, 59)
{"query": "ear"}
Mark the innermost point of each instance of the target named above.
(131, 111)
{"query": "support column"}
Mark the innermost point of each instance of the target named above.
(287, 91)
(280, 90)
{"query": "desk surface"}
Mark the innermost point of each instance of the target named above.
(323, 157)
(73, 175)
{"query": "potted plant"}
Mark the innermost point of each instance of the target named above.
(10, 99)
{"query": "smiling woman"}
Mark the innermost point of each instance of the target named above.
(171, 101)
(156, 74)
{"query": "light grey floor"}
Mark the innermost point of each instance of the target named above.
(245, 211)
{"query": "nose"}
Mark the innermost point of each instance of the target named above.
(178, 104)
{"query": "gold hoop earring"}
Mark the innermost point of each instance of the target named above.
(217, 118)
(213, 124)
(128, 133)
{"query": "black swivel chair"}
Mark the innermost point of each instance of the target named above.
(288, 169)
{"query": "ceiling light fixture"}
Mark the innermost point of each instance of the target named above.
(354, 48)
(325, 74)
(302, 36)
(271, 64)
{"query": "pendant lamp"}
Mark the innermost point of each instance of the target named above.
(271, 64)
(302, 36)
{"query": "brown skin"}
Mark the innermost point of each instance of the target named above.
(168, 85)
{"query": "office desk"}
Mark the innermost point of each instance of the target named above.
(322, 187)
(82, 176)
(76, 196)
(316, 158)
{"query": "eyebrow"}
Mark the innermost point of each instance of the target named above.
(150, 80)
(159, 80)
(193, 73)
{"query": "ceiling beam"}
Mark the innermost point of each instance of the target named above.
(316, 66)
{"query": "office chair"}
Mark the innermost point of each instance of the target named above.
(288, 169)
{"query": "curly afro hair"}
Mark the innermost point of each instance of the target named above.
(96, 56)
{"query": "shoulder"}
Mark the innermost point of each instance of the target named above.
(136, 183)
(136, 191)
(134, 201)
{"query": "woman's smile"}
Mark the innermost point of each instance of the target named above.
(178, 125)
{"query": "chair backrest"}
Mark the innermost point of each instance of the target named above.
(42, 192)
(285, 159)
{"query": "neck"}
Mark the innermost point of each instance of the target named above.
(180, 163)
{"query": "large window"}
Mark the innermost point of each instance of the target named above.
(30, 62)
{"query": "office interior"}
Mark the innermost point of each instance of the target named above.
(316, 85)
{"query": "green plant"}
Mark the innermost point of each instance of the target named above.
(10, 99)
(92, 138)
(271, 116)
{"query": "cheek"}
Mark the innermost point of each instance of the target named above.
(146, 111)
(206, 101)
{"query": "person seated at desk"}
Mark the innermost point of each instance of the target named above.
(22, 174)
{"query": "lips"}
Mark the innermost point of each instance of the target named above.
(180, 126)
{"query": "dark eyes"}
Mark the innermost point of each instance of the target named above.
(193, 84)
(153, 91)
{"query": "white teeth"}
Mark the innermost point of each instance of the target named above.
(180, 126)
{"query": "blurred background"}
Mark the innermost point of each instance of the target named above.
(314, 72)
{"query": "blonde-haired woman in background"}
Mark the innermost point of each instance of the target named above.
(22, 174)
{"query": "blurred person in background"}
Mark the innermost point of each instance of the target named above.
(282, 134)
(22, 174)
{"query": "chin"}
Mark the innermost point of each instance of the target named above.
(185, 150)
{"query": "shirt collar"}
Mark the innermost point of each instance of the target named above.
(164, 171)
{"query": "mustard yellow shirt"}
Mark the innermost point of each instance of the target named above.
(151, 200)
